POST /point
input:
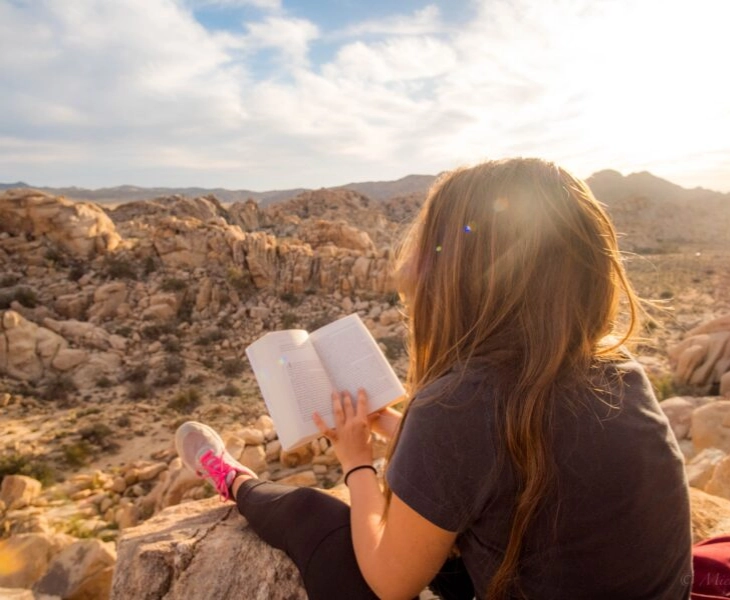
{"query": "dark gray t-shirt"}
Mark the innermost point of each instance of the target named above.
(617, 527)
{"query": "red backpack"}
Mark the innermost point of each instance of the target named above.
(711, 562)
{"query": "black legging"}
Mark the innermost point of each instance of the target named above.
(313, 528)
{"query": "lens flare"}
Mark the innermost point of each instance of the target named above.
(501, 204)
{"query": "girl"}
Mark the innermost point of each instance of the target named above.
(532, 442)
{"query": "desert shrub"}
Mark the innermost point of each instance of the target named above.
(290, 298)
(124, 331)
(9, 280)
(172, 371)
(207, 362)
(393, 346)
(230, 389)
(59, 388)
(173, 284)
(210, 337)
(241, 282)
(55, 255)
(27, 297)
(77, 271)
(104, 382)
(197, 379)
(98, 434)
(666, 295)
(318, 322)
(24, 295)
(171, 344)
(185, 310)
(77, 454)
(138, 391)
(288, 320)
(116, 267)
(149, 266)
(30, 466)
(123, 421)
(186, 401)
(157, 330)
(392, 298)
(233, 367)
(136, 374)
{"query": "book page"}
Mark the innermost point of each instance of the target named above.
(354, 360)
(293, 383)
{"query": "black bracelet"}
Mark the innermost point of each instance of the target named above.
(351, 471)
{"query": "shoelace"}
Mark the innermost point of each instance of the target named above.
(217, 470)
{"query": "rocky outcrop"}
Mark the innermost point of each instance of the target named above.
(26, 350)
(710, 515)
(79, 228)
(206, 208)
(702, 359)
(201, 550)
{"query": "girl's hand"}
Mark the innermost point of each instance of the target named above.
(385, 422)
(351, 436)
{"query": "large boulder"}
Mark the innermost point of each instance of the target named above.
(201, 550)
(18, 491)
(81, 571)
(711, 426)
(80, 228)
(27, 351)
(24, 558)
(710, 515)
(702, 358)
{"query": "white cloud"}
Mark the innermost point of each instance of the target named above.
(272, 5)
(426, 21)
(98, 93)
(290, 36)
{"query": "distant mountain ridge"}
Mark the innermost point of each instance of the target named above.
(376, 190)
(609, 186)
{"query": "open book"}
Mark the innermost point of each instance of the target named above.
(298, 371)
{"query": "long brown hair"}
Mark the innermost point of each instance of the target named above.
(514, 264)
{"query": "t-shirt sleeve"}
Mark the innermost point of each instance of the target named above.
(443, 464)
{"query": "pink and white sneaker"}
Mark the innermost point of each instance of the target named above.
(202, 451)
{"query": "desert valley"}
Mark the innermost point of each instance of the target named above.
(125, 314)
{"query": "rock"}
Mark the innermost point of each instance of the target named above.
(711, 426)
(82, 570)
(24, 558)
(301, 479)
(701, 467)
(703, 358)
(107, 300)
(18, 491)
(119, 485)
(172, 486)
(252, 436)
(259, 312)
(201, 550)
(679, 412)
(80, 228)
(163, 307)
(273, 448)
(265, 424)
(390, 317)
(298, 456)
(21, 594)
(254, 457)
(710, 515)
(26, 350)
(719, 483)
(69, 358)
(149, 472)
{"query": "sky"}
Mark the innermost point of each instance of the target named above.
(278, 94)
